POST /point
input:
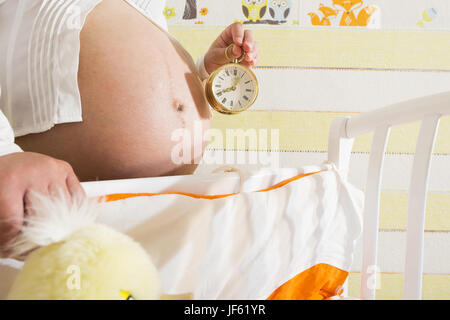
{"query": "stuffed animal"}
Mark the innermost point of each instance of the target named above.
(73, 257)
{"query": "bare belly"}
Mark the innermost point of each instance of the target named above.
(138, 93)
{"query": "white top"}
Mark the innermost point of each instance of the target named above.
(39, 57)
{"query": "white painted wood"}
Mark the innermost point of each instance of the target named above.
(339, 146)
(371, 213)
(429, 109)
(400, 113)
(416, 208)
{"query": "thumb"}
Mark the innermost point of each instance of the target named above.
(235, 52)
(216, 57)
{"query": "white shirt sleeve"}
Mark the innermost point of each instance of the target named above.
(7, 144)
(201, 69)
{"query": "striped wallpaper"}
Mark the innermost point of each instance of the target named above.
(309, 74)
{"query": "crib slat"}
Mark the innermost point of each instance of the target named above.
(416, 208)
(339, 145)
(371, 213)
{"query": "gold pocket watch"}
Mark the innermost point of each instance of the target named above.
(232, 88)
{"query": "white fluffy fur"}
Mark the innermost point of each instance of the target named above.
(53, 220)
(65, 236)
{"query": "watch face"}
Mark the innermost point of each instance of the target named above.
(235, 87)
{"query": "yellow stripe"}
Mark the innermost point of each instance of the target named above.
(393, 211)
(435, 286)
(337, 47)
(308, 131)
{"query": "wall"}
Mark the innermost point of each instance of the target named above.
(319, 63)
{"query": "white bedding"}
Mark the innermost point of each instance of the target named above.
(246, 245)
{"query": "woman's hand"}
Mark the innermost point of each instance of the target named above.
(23, 172)
(242, 39)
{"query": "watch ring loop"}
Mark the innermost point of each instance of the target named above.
(235, 60)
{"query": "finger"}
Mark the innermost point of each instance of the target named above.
(247, 64)
(58, 190)
(74, 187)
(220, 55)
(236, 52)
(251, 56)
(249, 42)
(237, 33)
(29, 198)
(11, 213)
(232, 34)
(71, 185)
(252, 62)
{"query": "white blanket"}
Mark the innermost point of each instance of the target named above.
(245, 245)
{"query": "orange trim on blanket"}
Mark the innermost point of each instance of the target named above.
(319, 282)
(122, 196)
(285, 182)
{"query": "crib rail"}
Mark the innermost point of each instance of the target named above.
(428, 110)
(397, 114)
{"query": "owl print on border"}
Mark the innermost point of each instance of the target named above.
(279, 10)
(254, 10)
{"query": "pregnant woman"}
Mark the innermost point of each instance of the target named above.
(92, 90)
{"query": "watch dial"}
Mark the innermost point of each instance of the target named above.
(235, 87)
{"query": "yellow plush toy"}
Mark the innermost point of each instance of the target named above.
(75, 258)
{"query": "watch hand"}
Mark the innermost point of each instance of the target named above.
(233, 88)
(227, 90)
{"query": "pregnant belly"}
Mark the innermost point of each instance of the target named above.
(140, 98)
